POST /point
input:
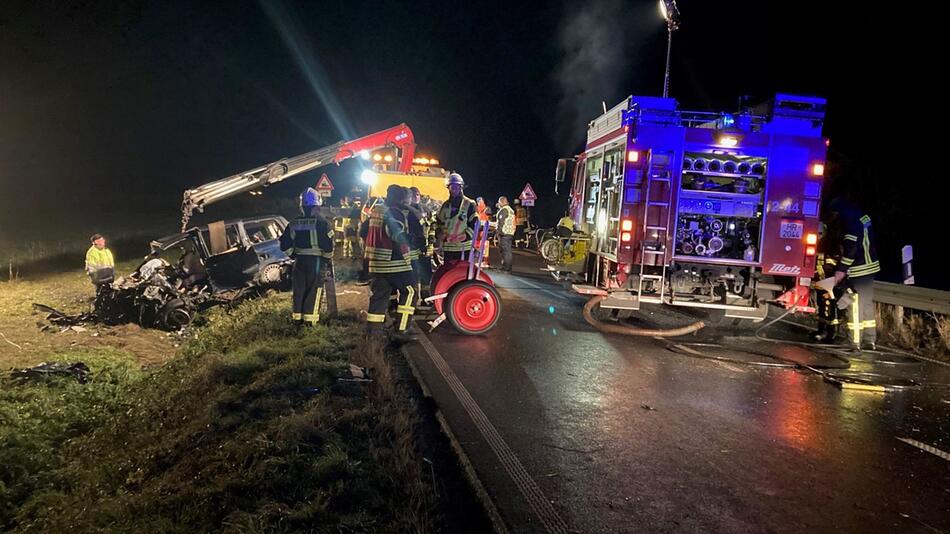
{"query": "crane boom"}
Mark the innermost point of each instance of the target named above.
(199, 198)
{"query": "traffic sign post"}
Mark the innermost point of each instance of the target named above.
(324, 186)
(528, 196)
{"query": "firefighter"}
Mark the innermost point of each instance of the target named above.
(826, 262)
(484, 215)
(100, 264)
(506, 232)
(419, 232)
(387, 249)
(456, 221)
(351, 233)
(565, 226)
(857, 268)
(308, 239)
(521, 222)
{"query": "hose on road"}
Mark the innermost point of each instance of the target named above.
(633, 331)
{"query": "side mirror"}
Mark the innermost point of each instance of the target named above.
(560, 173)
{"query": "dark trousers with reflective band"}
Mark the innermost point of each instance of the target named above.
(862, 326)
(382, 287)
(827, 315)
(506, 242)
(308, 288)
(423, 269)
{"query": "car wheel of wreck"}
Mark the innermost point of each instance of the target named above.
(176, 315)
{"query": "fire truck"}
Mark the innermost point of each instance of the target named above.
(698, 209)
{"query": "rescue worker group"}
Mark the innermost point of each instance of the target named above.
(399, 238)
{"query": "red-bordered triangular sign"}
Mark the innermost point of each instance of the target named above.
(528, 193)
(324, 183)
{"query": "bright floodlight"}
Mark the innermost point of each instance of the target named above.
(671, 13)
(369, 177)
(364, 154)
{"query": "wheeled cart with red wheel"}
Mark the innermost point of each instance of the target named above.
(463, 293)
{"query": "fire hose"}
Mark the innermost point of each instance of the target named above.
(633, 331)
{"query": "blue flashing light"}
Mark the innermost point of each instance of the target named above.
(728, 121)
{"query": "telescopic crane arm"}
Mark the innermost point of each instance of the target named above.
(199, 198)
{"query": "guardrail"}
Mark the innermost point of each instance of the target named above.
(913, 297)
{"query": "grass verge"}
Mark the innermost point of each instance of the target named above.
(247, 430)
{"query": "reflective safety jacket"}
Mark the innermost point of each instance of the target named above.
(417, 232)
(387, 241)
(308, 236)
(456, 220)
(97, 259)
(566, 222)
(506, 220)
(521, 216)
(859, 256)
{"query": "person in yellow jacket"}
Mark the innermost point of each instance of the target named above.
(506, 232)
(100, 264)
(455, 221)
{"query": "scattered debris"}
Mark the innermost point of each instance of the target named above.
(10, 342)
(153, 296)
(77, 369)
(648, 408)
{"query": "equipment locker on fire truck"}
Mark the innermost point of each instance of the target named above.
(700, 209)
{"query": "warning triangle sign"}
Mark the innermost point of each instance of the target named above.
(324, 183)
(528, 193)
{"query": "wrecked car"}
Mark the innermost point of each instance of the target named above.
(229, 255)
(218, 263)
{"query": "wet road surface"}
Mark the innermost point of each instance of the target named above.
(569, 429)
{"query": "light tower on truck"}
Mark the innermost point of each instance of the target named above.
(671, 14)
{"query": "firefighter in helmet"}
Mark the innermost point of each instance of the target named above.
(308, 239)
(826, 262)
(387, 250)
(456, 221)
(856, 270)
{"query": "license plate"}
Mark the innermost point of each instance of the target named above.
(791, 230)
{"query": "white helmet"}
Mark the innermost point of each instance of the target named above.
(454, 178)
(310, 198)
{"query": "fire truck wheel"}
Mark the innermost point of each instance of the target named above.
(473, 307)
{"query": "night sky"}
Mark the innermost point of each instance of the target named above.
(116, 107)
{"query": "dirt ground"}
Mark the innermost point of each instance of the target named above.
(24, 344)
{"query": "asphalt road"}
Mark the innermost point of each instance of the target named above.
(568, 429)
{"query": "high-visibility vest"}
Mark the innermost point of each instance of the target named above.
(566, 222)
(459, 228)
(382, 250)
(859, 255)
(99, 259)
(521, 216)
(508, 224)
(308, 236)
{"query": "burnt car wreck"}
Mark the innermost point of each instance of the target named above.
(219, 263)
